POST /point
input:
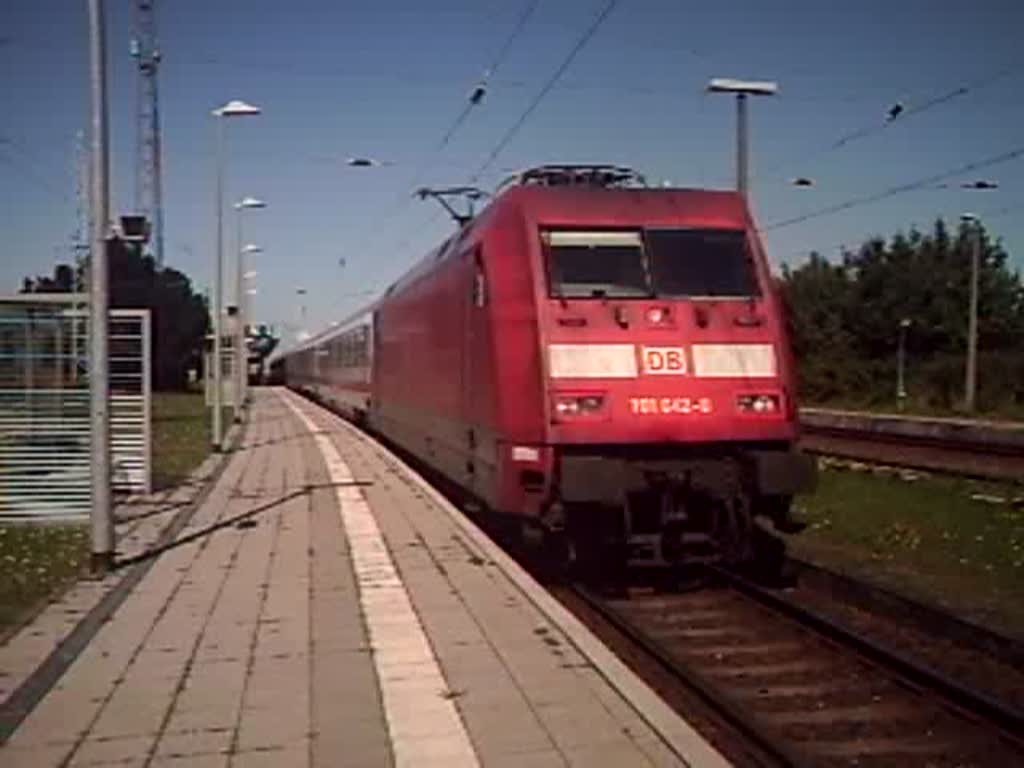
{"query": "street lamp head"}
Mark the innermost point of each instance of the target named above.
(802, 181)
(249, 202)
(251, 248)
(237, 108)
(905, 322)
(365, 162)
(968, 218)
(980, 184)
(752, 87)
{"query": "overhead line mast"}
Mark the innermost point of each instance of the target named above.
(148, 183)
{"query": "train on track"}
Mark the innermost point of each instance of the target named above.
(602, 363)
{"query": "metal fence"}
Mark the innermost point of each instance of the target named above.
(130, 400)
(45, 464)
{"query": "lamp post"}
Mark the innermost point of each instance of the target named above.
(971, 369)
(901, 357)
(742, 89)
(301, 293)
(972, 223)
(233, 108)
(101, 517)
(241, 320)
(241, 356)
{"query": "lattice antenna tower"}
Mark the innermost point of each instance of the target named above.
(148, 185)
(80, 249)
(81, 237)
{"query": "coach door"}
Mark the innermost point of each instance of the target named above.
(473, 386)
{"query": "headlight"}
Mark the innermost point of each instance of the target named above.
(759, 404)
(578, 405)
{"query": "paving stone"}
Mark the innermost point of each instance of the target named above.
(34, 757)
(289, 757)
(504, 730)
(107, 751)
(194, 761)
(272, 728)
(612, 754)
(547, 758)
(181, 743)
(55, 721)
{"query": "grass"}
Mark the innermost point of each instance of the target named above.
(181, 435)
(953, 542)
(40, 559)
(36, 561)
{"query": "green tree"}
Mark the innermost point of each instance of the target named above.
(845, 317)
(179, 315)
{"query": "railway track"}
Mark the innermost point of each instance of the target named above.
(969, 458)
(805, 690)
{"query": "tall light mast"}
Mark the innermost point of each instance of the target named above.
(148, 185)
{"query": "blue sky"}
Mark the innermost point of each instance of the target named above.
(386, 80)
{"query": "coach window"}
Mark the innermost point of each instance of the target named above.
(362, 338)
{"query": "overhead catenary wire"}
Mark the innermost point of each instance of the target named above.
(499, 59)
(548, 85)
(897, 190)
(928, 104)
(17, 158)
(404, 200)
(899, 113)
(849, 246)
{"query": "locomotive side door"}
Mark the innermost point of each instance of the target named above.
(473, 395)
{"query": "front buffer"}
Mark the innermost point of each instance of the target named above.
(675, 505)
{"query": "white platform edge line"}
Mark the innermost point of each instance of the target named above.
(409, 676)
(681, 737)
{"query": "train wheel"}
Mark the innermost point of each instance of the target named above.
(507, 530)
(597, 550)
(768, 562)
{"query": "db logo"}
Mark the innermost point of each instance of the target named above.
(664, 360)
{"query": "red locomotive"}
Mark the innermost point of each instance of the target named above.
(604, 361)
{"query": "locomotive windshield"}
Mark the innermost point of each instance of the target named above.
(700, 262)
(668, 263)
(597, 264)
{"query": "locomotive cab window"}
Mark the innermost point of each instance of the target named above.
(596, 264)
(701, 262)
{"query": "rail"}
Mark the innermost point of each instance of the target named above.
(804, 689)
(988, 450)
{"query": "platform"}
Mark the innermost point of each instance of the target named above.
(322, 605)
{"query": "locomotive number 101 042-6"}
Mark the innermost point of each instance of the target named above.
(647, 406)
